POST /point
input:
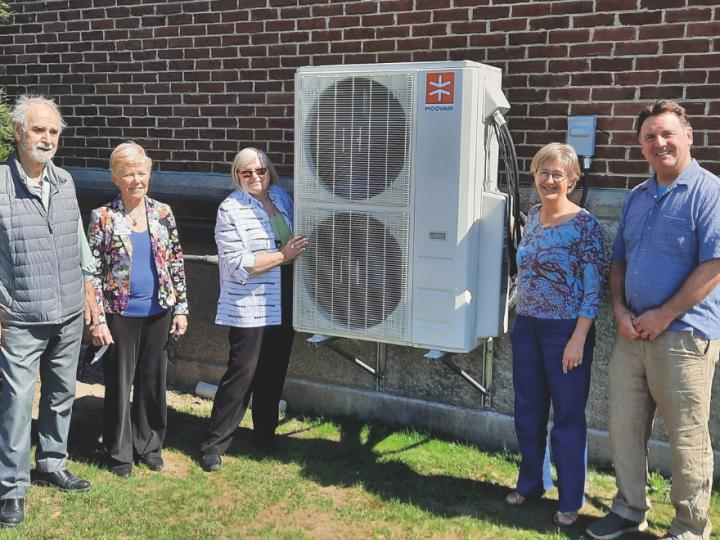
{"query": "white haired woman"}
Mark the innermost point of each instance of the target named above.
(140, 283)
(256, 248)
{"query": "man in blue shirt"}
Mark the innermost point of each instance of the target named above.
(664, 286)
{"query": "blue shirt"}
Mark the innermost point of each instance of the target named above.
(143, 300)
(560, 267)
(663, 239)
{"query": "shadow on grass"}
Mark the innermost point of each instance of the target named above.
(350, 462)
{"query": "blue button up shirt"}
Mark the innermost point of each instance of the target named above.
(663, 239)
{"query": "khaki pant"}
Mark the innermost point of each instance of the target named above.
(673, 374)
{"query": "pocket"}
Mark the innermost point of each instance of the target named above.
(702, 345)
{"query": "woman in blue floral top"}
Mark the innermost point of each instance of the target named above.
(140, 286)
(560, 274)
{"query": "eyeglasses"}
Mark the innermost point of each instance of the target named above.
(247, 174)
(546, 175)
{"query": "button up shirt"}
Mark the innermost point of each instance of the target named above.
(663, 239)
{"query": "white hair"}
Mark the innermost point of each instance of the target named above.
(18, 114)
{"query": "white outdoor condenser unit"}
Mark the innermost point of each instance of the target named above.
(396, 188)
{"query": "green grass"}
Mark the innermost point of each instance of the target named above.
(334, 479)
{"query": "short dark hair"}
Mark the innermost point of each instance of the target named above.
(659, 107)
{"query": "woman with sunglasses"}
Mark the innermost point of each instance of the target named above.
(560, 274)
(256, 248)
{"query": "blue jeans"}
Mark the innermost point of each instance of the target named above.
(538, 380)
(52, 350)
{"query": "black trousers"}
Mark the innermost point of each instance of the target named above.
(257, 366)
(138, 361)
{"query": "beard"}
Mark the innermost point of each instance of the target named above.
(40, 154)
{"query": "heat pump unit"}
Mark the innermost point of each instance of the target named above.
(396, 188)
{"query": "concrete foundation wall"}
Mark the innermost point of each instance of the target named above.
(415, 390)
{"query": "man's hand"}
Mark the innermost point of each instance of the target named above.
(625, 322)
(101, 335)
(652, 323)
(92, 313)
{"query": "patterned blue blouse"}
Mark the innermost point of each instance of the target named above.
(560, 268)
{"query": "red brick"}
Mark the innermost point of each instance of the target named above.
(506, 53)
(663, 62)
(661, 4)
(450, 42)
(684, 77)
(375, 45)
(491, 12)
(346, 46)
(528, 66)
(547, 51)
(436, 29)
(413, 43)
(612, 94)
(593, 21)
(429, 56)
(611, 64)
(591, 49)
(526, 38)
(549, 80)
(417, 17)
(703, 29)
(636, 48)
(359, 33)
(343, 22)
(394, 57)
(392, 32)
(569, 36)
(686, 46)
(614, 5)
(432, 4)
(448, 15)
(352, 8)
(382, 19)
(535, 9)
(569, 94)
(396, 5)
(549, 23)
(508, 25)
(661, 92)
(572, 65)
(592, 79)
(470, 27)
(708, 91)
(702, 61)
(575, 6)
(640, 18)
(636, 78)
(662, 31)
(327, 10)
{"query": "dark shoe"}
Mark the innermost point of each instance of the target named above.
(211, 462)
(154, 463)
(63, 480)
(123, 471)
(613, 526)
(12, 512)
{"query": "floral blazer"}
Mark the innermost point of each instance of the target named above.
(113, 256)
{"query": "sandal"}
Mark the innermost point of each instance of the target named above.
(514, 498)
(565, 519)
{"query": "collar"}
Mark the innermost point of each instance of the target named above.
(685, 178)
(48, 174)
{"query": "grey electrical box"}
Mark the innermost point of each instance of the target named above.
(581, 134)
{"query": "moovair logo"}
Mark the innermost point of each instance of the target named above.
(440, 91)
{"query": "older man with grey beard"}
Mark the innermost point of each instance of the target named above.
(41, 306)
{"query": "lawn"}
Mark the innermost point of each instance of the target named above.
(335, 478)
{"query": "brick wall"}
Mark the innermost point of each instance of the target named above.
(194, 81)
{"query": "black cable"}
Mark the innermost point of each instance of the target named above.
(583, 197)
(514, 219)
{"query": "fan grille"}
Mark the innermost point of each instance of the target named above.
(356, 138)
(354, 272)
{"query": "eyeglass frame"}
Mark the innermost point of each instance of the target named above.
(243, 173)
(546, 175)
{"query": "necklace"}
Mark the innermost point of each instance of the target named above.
(133, 219)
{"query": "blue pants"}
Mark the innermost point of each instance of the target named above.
(538, 380)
